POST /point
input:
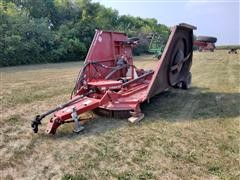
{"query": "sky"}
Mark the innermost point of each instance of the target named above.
(219, 18)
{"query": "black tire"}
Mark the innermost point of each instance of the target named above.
(178, 85)
(186, 84)
(132, 39)
(207, 39)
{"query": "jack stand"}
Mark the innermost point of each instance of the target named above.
(134, 119)
(78, 126)
(136, 116)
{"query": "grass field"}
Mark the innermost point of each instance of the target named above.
(191, 134)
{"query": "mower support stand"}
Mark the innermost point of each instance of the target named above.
(78, 126)
(136, 118)
(136, 115)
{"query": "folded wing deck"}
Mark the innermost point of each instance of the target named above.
(110, 81)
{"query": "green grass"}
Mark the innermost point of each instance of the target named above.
(228, 47)
(191, 134)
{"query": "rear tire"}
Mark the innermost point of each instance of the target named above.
(186, 84)
(207, 39)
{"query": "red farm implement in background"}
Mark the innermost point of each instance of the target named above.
(110, 84)
(205, 43)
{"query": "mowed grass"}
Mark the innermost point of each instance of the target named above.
(191, 134)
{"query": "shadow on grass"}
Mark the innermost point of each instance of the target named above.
(194, 104)
(172, 106)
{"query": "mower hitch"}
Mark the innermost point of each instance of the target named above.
(38, 118)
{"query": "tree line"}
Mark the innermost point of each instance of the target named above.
(42, 31)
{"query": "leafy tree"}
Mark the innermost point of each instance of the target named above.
(40, 31)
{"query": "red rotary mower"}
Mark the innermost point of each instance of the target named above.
(205, 43)
(110, 84)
